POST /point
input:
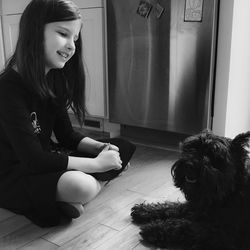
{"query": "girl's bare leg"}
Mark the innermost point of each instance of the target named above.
(76, 188)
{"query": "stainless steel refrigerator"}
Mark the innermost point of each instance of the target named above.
(161, 57)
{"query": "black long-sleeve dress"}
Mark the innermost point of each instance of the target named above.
(29, 170)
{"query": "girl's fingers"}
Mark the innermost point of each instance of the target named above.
(113, 147)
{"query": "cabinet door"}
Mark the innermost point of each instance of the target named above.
(93, 56)
(10, 33)
(2, 61)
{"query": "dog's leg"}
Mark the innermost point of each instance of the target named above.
(186, 234)
(169, 233)
(144, 213)
(212, 236)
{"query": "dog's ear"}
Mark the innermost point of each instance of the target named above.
(242, 139)
(178, 173)
(240, 144)
(240, 154)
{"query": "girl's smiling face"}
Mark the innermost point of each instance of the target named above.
(59, 42)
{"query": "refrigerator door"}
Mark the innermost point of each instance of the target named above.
(160, 63)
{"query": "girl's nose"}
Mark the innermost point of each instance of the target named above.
(71, 45)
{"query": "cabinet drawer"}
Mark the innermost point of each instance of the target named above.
(8, 7)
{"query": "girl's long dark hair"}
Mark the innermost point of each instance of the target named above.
(29, 53)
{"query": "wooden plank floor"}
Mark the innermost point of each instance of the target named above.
(106, 222)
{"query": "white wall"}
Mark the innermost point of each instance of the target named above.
(232, 96)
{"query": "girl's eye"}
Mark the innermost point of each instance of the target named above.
(62, 34)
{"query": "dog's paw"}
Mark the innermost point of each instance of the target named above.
(139, 213)
(146, 212)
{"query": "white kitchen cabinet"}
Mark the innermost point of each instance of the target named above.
(93, 46)
(10, 33)
(93, 56)
(2, 59)
(10, 7)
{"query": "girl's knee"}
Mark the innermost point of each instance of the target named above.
(90, 189)
(75, 186)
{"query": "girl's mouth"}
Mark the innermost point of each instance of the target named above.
(63, 54)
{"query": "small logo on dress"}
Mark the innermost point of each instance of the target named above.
(35, 123)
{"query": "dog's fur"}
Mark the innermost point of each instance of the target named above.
(212, 173)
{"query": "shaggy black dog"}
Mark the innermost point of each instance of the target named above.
(212, 173)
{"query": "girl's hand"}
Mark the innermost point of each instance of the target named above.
(108, 146)
(113, 147)
(107, 160)
(89, 145)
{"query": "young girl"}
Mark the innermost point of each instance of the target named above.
(39, 178)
